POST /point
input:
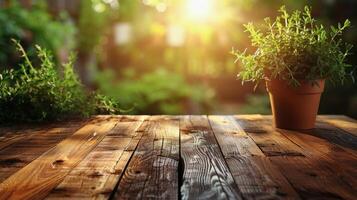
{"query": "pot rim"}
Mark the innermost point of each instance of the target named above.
(306, 86)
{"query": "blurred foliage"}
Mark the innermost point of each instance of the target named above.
(256, 103)
(203, 56)
(96, 18)
(31, 26)
(205, 50)
(92, 23)
(40, 93)
(157, 92)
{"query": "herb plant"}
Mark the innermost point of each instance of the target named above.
(295, 46)
(39, 93)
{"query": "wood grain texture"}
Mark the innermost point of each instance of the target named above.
(28, 145)
(152, 172)
(38, 178)
(97, 174)
(309, 172)
(335, 136)
(255, 175)
(17, 133)
(342, 163)
(179, 157)
(332, 146)
(271, 142)
(8, 136)
(345, 123)
(206, 174)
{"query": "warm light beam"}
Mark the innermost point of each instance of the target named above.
(199, 10)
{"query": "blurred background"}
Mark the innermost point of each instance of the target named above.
(164, 56)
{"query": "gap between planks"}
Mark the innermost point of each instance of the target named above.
(255, 175)
(152, 170)
(205, 175)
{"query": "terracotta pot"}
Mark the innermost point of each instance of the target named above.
(294, 107)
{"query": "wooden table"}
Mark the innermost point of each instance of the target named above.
(172, 157)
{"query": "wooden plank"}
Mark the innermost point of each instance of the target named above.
(10, 137)
(345, 123)
(255, 175)
(27, 148)
(342, 163)
(271, 142)
(334, 135)
(14, 134)
(38, 178)
(152, 171)
(96, 175)
(311, 174)
(206, 174)
(336, 146)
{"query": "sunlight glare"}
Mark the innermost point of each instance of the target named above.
(199, 10)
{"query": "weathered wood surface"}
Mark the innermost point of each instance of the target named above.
(96, 175)
(309, 167)
(255, 175)
(27, 144)
(205, 173)
(37, 179)
(179, 157)
(152, 171)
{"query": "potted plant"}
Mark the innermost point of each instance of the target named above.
(295, 55)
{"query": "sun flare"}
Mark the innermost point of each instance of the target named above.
(199, 10)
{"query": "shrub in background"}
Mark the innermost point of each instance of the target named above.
(39, 93)
(157, 92)
(258, 103)
(31, 26)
